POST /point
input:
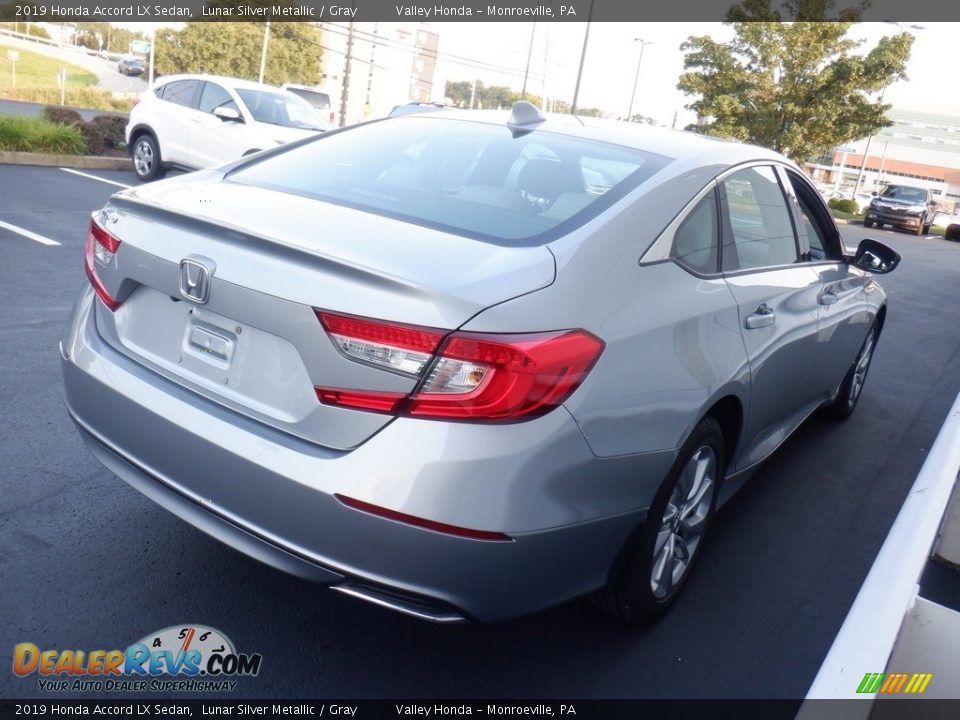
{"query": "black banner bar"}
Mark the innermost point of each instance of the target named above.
(882, 709)
(463, 10)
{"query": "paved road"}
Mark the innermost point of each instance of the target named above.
(87, 562)
(106, 71)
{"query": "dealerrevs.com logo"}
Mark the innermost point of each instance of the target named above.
(181, 658)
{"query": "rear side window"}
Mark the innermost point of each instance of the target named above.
(474, 179)
(761, 232)
(181, 92)
(696, 242)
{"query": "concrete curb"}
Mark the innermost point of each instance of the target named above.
(81, 162)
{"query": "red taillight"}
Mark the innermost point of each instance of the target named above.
(100, 249)
(473, 376)
(332, 116)
(422, 522)
(135, 101)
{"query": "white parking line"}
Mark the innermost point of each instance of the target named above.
(94, 177)
(27, 234)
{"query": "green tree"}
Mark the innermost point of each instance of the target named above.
(458, 92)
(797, 87)
(233, 49)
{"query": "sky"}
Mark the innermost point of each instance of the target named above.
(612, 54)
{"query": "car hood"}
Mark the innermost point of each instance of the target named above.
(278, 134)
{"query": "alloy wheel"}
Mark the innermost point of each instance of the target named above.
(684, 521)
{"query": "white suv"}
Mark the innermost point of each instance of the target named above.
(195, 121)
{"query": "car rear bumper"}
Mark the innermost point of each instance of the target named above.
(273, 497)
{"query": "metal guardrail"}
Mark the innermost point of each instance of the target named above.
(875, 622)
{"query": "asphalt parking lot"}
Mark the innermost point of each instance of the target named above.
(87, 562)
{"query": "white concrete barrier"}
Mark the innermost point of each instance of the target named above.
(868, 635)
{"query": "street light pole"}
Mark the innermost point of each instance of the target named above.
(636, 79)
(866, 152)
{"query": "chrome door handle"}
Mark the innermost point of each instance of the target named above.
(829, 296)
(763, 316)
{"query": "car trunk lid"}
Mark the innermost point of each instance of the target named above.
(256, 345)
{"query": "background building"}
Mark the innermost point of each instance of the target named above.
(922, 148)
(390, 64)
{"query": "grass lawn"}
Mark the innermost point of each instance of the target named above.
(39, 71)
(849, 217)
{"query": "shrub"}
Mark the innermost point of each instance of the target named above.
(63, 115)
(94, 137)
(35, 135)
(76, 97)
(113, 128)
(843, 205)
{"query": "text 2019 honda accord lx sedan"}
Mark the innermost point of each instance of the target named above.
(465, 365)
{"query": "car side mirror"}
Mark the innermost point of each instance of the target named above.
(228, 114)
(875, 257)
(874, 193)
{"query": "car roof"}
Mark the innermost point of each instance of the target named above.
(676, 144)
(236, 83)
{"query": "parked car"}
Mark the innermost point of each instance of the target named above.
(903, 206)
(464, 365)
(322, 100)
(196, 121)
(130, 66)
(950, 224)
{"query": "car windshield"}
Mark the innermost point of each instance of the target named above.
(474, 179)
(319, 100)
(902, 192)
(276, 108)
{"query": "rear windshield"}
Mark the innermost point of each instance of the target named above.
(474, 179)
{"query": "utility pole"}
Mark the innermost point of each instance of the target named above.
(583, 57)
(153, 44)
(523, 93)
(546, 58)
(345, 84)
(473, 93)
(263, 51)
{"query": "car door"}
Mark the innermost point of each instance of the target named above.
(844, 315)
(212, 140)
(176, 108)
(777, 297)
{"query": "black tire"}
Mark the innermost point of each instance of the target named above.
(926, 229)
(631, 596)
(868, 223)
(952, 232)
(147, 163)
(849, 395)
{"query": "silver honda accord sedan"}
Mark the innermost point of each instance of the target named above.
(465, 365)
